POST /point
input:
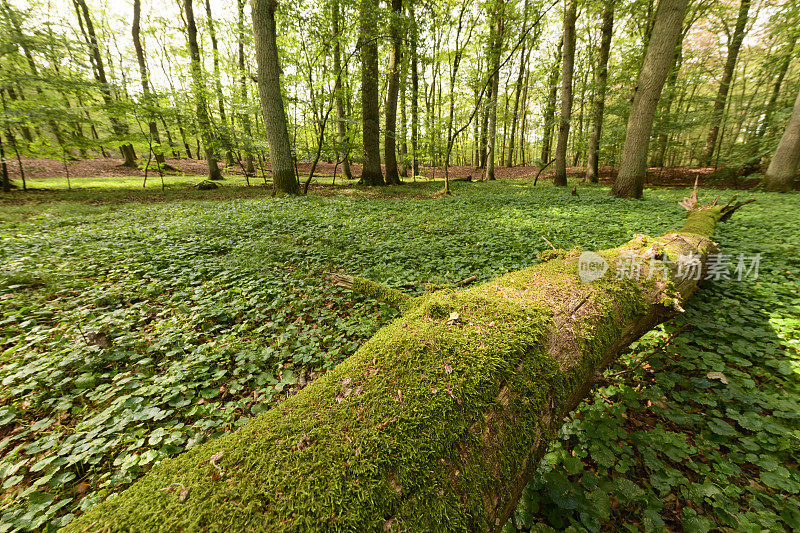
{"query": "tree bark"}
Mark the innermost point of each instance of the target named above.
(485, 127)
(341, 117)
(523, 126)
(395, 58)
(757, 150)
(783, 167)
(725, 83)
(548, 117)
(523, 63)
(120, 129)
(137, 44)
(496, 47)
(403, 120)
(203, 120)
(414, 93)
(371, 173)
(244, 117)
(657, 61)
(663, 136)
(567, 65)
(436, 423)
(599, 100)
(218, 86)
(5, 181)
(269, 88)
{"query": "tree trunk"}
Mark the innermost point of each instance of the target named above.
(436, 423)
(26, 131)
(657, 62)
(523, 64)
(567, 65)
(341, 117)
(523, 126)
(496, 44)
(15, 24)
(269, 87)
(663, 136)
(485, 127)
(203, 120)
(725, 82)
(757, 149)
(783, 167)
(244, 117)
(548, 117)
(403, 120)
(371, 173)
(5, 181)
(395, 58)
(599, 100)
(120, 128)
(218, 85)
(414, 93)
(137, 44)
(175, 152)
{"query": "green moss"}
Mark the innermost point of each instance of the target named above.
(701, 222)
(433, 287)
(549, 255)
(382, 293)
(427, 418)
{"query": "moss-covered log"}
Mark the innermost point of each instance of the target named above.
(438, 421)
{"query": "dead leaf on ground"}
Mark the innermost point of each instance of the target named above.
(718, 376)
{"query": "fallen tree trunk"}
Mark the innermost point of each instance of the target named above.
(438, 421)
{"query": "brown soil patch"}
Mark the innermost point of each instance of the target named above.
(112, 167)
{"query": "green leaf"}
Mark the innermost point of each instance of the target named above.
(720, 427)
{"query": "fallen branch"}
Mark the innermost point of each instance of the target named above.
(536, 179)
(439, 420)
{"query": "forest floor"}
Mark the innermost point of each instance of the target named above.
(50, 173)
(129, 332)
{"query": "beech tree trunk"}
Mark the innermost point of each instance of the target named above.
(666, 106)
(485, 127)
(756, 143)
(269, 88)
(371, 173)
(657, 61)
(599, 101)
(341, 117)
(120, 129)
(226, 141)
(496, 40)
(5, 181)
(725, 82)
(523, 63)
(567, 65)
(548, 117)
(783, 167)
(403, 120)
(244, 117)
(203, 121)
(414, 93)
(390, 133)
(438, 421)
(137, 44)
(524, 118)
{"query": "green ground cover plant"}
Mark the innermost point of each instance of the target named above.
(132, 331)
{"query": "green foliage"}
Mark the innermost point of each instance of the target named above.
(131, 333)
(697, 427)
